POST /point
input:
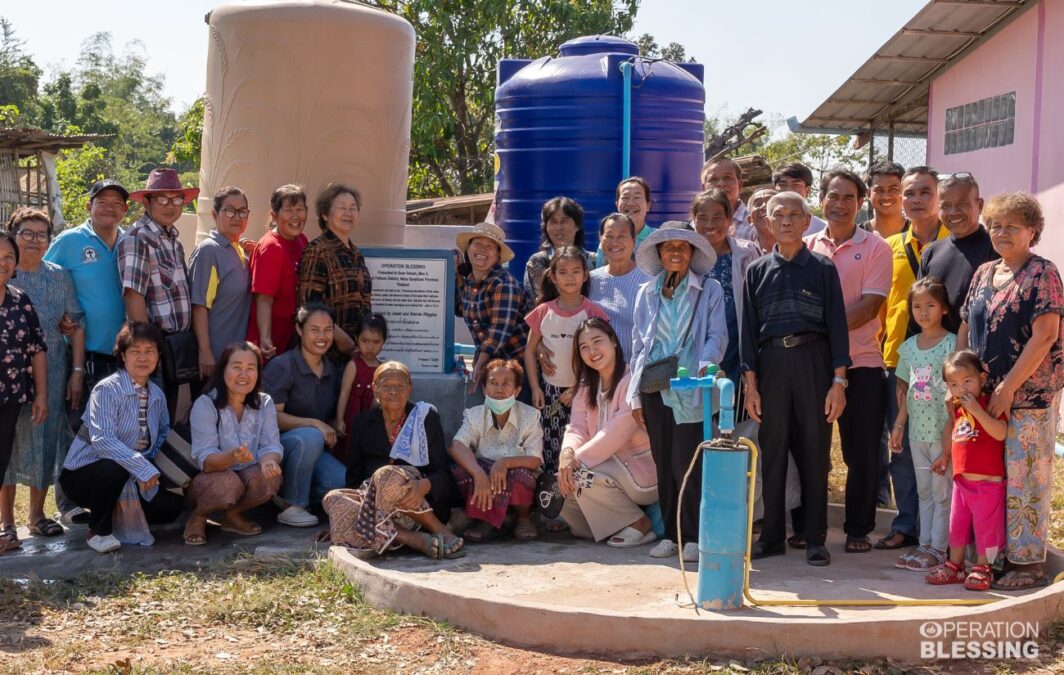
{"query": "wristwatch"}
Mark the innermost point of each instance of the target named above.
(840, 380)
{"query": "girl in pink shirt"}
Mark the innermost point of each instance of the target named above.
(563, 306)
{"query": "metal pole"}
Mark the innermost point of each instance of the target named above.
(890, 141)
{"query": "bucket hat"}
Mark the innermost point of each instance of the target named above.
(489, 231)
(648, 260)
(163, 180)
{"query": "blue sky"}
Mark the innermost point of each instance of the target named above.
(783, 57)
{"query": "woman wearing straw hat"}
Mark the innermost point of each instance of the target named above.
(490, 299)
(679, 312)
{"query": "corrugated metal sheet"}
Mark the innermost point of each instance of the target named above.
(893, 84)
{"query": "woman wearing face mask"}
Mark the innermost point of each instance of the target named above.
(499, 451)
(273, 272)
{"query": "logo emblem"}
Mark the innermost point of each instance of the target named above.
(88, 255)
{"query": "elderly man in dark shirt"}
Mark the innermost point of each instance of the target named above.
(794, 351)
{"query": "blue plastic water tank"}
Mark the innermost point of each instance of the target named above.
(559, 131)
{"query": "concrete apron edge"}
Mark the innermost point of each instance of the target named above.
(605, 632)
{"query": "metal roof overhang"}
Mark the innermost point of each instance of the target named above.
(892, 86)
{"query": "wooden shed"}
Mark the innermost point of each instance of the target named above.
(27, 168)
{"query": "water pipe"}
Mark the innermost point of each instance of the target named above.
(721, 537)
(626, 130)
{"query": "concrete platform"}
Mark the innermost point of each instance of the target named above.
(564, 595)
(67, 555)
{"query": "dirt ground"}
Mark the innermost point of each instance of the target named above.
(278, 615)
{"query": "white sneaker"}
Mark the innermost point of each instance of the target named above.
(690, 552)
(104, 544)
(666, 548)
(297, 516)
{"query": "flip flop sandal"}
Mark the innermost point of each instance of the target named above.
(556, 526)
(978, 579)
(1040, 581)
(250, 531)
(630, 537)
(896, 540)
(195, 538)
(525, 532)
(46, 527)
(10, 535)
(796, 541)
(858, 545)
(439, 549)
(481, 531)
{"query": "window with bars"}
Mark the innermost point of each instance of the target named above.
(988, 123)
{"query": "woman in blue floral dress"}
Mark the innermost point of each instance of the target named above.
(22, 361)
(40, 448)
(1012, 320)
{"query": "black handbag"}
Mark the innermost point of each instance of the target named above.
(656, 374)
(181, 358)
(174, 460)
(548, 496)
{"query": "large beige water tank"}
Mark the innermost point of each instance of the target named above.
(309, 92)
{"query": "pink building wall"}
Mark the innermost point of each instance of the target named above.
(1027, 57)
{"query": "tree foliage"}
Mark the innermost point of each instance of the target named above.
(104, 93)
(459, 45)
(674, 51)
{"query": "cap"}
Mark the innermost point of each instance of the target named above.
(107, 184)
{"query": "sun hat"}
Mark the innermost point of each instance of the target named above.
(488, 231)
(648, 260)
(163, 180)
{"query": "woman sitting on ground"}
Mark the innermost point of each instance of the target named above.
(499, 450)
(606, 471)
(108, 469)
(237, 445)
(398, 481)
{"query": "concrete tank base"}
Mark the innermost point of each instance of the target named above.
(569, 596)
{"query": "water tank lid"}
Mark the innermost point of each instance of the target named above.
(599, 44)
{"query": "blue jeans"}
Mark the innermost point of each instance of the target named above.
(309, 471)
(902, 473)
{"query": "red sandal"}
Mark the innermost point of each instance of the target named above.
(949, 573)
(978, 579)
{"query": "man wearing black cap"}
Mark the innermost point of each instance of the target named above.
(88, 252)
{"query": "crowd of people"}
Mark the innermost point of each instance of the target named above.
(929, 334)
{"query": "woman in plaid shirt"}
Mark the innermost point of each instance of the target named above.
(490, 299)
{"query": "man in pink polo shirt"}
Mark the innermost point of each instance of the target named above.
(863, 260)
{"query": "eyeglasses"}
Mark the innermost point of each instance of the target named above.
(164, 201)
(230, 212)
(28, 236)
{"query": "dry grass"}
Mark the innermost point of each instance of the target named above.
(280, 616)
(22, 504)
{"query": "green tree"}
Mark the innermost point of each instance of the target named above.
(674, 51)
(460, 43)
(185, 152)
(76, 171)
(19, 75)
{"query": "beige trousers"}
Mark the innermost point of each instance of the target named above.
(611, 503)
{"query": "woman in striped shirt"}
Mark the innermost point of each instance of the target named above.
(108, 469)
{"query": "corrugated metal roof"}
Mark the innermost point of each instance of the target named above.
(893, 84)
(32, 138)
